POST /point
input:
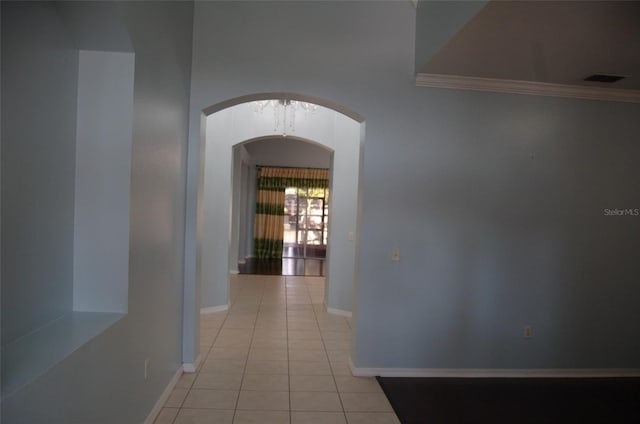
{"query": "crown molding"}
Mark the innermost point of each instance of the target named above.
(527, 87)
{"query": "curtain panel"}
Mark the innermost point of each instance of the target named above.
(269, 221)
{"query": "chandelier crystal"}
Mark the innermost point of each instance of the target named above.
(284, 112)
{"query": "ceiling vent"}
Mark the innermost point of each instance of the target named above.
(604, 78)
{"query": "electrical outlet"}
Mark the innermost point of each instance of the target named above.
(395, 254)
(146, 368)
(527, 332)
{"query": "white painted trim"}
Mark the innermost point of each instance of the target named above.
(527, 87)
(213, 309)
(493, 373)
(340, 312)
(163, 397)
(234, 271)
(189, 367)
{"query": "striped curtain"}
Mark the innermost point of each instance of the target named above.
(272, 182)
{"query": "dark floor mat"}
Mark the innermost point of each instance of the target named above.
(514, 400)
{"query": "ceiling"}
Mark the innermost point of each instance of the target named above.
(559, 42)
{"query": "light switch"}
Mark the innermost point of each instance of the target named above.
(395, 254)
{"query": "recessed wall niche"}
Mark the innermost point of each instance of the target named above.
(103, 175)
(100, 231)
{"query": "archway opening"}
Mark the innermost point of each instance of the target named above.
(234, 122)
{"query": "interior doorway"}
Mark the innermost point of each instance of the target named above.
(209, 224)
(291, 214)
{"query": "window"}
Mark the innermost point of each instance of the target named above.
(305, 226)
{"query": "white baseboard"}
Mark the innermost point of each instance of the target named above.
(494, 373)
(163, 397)
(189, 367)
(214, 309)
(340, 312)
(234, 271)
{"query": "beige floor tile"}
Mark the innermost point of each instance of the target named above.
(309, 368)
(204, 416)
(176, 397)
(272, 310)
(365, 402)
(235, 333)
(273, 313)
(302, 325)
(266, 326)
(340, 355)
(267, 367)
(261, 417)
(218, 381)
(326, 324)
(186, 380)
(312, 383)
(340, 368)
(232, 342)
(266, 382)
(268, 354)
(372, 418)
(300, 311)
(295, 313)
(317, 418)
(313, 334)
(215, 320)
(337, 344)
(350, 384)
(166, 416)
(274, 299)
(204, 350)
(211, 326)
(231, 366)
(206, 339)
(315, 401)
(306, 344)
(240, 324)
(271, 327)
(228, 353)
(298, 308)
(336, 335)
(264, 401)
(272, 332)
(268, 343)
(318, 355)
(214, 399)
(298, 300)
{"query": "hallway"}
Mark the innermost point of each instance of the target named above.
(276, 357)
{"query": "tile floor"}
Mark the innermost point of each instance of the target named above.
(276, 357)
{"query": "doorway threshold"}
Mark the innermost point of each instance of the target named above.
(309, 267)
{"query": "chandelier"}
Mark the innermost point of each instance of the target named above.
(284, 112)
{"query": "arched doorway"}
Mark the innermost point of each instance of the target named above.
(208, 234)
(306, 209)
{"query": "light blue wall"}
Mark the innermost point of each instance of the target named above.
(496, 201)
(287, 152)
(40, 70)
(103, 381)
